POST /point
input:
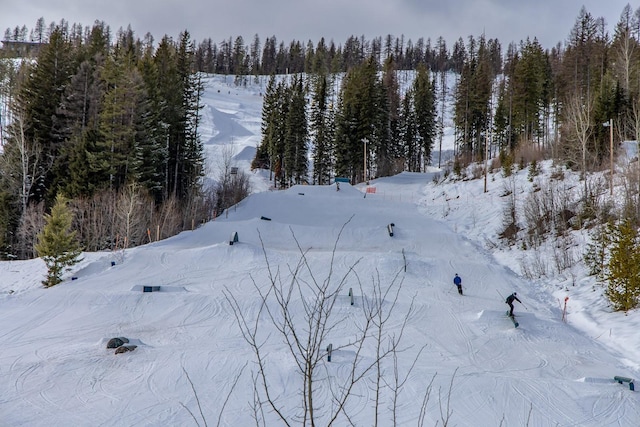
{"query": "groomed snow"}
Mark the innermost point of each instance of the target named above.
(55, 368)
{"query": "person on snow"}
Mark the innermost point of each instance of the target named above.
(510, 300)
(458, 282)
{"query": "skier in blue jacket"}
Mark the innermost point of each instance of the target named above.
(458, 282)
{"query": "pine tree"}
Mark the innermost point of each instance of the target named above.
(357, 120)
(321, 130)
(179, 94)
(151, 133)
(263, 158)
(57, 244)
(117, 123)
(623, 272)
(297, 135)
(388, 149)
(409, 134)
(528, 82)
(278, 134)
(597, 251)
(79, 118)
(38, 101)
(424, 102)
(473, 95)
(189, 156)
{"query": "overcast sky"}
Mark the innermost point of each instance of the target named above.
(507, 20)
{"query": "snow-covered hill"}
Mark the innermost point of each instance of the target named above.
(56, 369)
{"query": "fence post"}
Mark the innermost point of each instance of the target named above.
(329, 350)
(564, 309)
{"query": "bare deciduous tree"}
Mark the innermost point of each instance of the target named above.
(131, 219)
(233, 184)
(577, 119)
(31, 223)
(95, 220)
(168, 221)
(302, 309)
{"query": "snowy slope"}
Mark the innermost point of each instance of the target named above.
(56, 370)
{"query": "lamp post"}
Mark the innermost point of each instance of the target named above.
(486, 160)
(364, 171)
(165, 127)
(609, 125)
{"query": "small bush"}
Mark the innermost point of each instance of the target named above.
(457, 167)
(506, 160)
(477, 171)
(557, 174)
(623, 269)
(534, 170)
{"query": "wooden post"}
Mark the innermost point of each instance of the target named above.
(404, 257)
(564, 309)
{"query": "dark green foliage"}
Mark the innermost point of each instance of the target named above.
(507, 162)
(595, 256)
(296, 134)
(408, 134)
(269, 125)
(529, 98)
(321, 129)
(91, 116)
(115, 148)
(472, 98)
(152, 134)
(388, 151)
(502, 130)
(38, 102)
(100, 113)
(356, 120)
(8, 217)
(534, 170)
(425, 111)
(623, 269)
(275, 109)
(57, 244)
(261, 159)
(180, 92)
(285, 134)
(188, 156)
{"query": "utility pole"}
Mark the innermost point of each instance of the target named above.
(364, 171)
(609, 125)
(611, 157)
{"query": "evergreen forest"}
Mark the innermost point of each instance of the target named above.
(110, 120)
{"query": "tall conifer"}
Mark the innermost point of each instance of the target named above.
(57, 244)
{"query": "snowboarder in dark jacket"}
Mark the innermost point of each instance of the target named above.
(509, 301)
(458, 282)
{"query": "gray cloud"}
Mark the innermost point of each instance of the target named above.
(508, 20)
